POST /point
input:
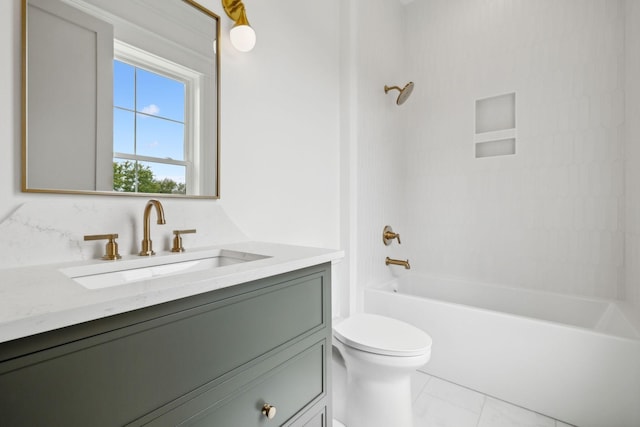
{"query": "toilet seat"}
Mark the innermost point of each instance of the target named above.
(382, 335)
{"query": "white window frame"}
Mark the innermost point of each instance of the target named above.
(193, 83)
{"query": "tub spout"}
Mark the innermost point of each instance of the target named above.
(404, 263)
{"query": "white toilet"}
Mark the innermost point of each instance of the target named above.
(380, 354)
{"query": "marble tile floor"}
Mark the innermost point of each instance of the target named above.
(438, 403)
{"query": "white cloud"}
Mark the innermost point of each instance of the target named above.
(152, 109)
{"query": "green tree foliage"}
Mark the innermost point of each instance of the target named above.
(127, 174)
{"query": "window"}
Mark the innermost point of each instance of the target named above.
(152, 142)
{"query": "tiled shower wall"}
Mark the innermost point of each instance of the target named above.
(376, 56)
(551, 216)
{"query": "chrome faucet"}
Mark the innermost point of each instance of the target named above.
(147, 245)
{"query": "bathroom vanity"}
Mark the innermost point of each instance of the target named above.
(241, 345)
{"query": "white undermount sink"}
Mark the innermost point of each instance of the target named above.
(108, 274)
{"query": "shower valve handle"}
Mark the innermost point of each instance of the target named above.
(395, 236)
(388, 235)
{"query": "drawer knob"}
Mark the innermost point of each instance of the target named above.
(269, 411)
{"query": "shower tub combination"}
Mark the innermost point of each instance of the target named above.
(573, 359)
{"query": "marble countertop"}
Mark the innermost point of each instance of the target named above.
(41, 298)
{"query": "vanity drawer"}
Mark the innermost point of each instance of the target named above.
(314, 417)
(319, 420)
(290, 384)
(112, 378)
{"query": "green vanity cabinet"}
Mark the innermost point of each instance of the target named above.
(213, 359)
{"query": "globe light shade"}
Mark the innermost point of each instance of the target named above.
(243, 37)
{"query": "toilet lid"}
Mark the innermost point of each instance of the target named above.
(382, 335)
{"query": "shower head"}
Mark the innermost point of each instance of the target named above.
(405, 92)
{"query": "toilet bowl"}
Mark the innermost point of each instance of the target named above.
(379, 354)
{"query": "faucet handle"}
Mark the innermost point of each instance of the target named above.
(388, 235)
(111, 249)
(177, 239)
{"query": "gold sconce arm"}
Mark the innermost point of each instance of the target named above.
(242, 36)
(233, 8)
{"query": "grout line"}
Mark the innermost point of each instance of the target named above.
(424, 386)
(484, 401)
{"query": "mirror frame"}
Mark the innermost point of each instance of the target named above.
(23, 119)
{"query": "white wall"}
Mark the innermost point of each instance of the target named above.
(280, 131)
(551, 216)
(632, 157)
(280, 126)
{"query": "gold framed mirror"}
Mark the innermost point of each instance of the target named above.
(120, 98)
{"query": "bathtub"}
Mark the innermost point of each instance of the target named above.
(573, 359)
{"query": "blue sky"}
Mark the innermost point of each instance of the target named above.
(159, 132)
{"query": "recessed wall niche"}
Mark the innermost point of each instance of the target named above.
(495, 132)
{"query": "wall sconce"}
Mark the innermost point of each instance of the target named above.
(243, 37)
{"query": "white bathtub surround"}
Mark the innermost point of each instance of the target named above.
(551, 216)
(578, 360)
(589, 313)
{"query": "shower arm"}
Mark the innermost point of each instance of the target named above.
(404, 94)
